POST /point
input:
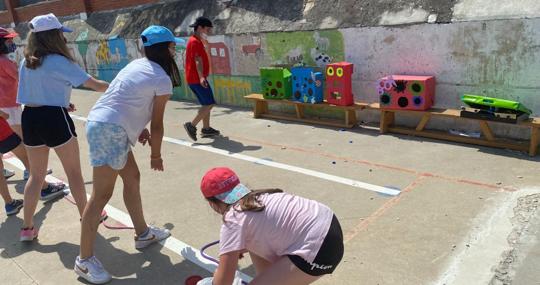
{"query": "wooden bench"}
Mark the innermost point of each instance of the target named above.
(387, 124)
(261, 110)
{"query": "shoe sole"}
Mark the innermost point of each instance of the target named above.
(151, 242)
(14, 212)
(209, 136)
(62, 192)
(26, 239)
(189, 134)
(82, 275)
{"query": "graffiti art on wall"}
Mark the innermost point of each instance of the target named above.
(310, 48)
(249, 53)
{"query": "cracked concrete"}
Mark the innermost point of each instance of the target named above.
(515, 264)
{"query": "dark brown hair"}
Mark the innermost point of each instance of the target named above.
(3, 46)
(41, 44)
(159, 53)
(250, 202)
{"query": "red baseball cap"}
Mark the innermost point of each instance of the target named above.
(6, 34)
(224, 184)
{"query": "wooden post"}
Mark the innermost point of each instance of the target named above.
(487, 131)
(423, 122)
(261, 107)
(299, 111)
(387, 119)
(350, 117)
(533, 147)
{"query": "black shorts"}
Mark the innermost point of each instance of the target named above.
(46, 126)
(9, 143)
(329, 255)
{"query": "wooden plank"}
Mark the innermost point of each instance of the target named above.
(259, 97)
(449, 137)
(533, 145)
(423, 122)
(486, 130)
(299, 111)
(326, 122)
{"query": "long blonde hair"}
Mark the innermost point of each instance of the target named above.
(41, 44)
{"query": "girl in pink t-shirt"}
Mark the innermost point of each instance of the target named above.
(290, 239)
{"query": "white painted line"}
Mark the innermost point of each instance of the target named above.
(317, 174)
(177, 246)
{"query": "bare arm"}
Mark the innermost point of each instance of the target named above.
(228, 263)
(157, 131)
(95, 84)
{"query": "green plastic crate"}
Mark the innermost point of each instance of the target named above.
(276, 83)
(500, 105)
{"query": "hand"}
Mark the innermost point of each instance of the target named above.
(144, 137)
(4, 115)
(204, 82)
(71, 108)
(156, 164)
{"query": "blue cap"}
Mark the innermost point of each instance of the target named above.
(158, 34)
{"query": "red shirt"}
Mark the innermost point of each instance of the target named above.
(8, 83)
(5, 129)
(195, 48)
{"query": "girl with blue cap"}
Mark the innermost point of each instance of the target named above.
(136, 97)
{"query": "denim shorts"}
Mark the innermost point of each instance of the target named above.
(204, 95)
(109, 144)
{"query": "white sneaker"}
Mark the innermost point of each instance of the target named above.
(26, 174)
(153, 235)
(92, 270)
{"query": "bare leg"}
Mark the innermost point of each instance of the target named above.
(20, 151)
(206, 118)
(69, 156)
(131, 177)
(4, 191)
(38, 158)
(283, 272)
(203, 112)
(104, 179)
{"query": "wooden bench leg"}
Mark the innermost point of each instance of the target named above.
(261, 107)
(387, 119)
(487, 131)
(350, 118)
(423, 122)
(533, 147)
(299, 111)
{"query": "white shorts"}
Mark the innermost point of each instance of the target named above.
(15, 114)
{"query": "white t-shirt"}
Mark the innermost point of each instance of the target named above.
(288, 225)
(129, 100)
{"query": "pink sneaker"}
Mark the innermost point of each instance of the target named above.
(28, 234)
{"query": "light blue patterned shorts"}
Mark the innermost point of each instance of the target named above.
(109, 144)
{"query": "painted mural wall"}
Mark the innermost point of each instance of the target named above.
(494, 58)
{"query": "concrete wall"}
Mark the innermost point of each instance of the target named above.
(470, 46)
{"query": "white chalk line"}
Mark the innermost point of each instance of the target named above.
(177, 246)
(349, 182)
